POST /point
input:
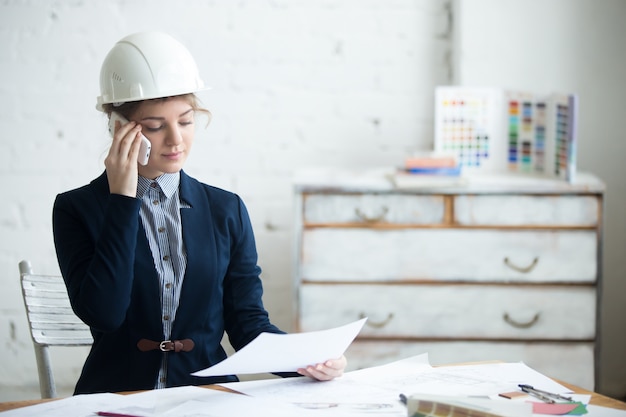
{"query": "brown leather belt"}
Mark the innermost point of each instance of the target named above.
(184, 345)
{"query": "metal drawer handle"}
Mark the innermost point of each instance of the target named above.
(365, 218)
(376, 324)
(522, 269)
(519, 325)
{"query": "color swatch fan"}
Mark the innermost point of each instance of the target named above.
(541, 133)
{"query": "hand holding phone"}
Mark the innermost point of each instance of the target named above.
(144, 148)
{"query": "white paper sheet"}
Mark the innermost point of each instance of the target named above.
(76, 406)
(348, 396)
(363, 386)
(381, 386)
(201, 402)
(271, 352)
(162, 401)
(227, 405)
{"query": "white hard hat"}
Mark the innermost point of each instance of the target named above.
(147, 65)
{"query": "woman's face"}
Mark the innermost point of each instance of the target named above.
(169, 125)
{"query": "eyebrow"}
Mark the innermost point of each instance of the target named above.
(163, 118)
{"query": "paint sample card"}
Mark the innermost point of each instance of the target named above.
(467, 125)
(541, 134)
(565, 132)
(526, 132)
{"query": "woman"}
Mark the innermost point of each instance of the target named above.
(158, 264)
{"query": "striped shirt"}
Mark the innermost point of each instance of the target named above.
(160, 216)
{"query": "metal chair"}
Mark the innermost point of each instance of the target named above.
(52, 321)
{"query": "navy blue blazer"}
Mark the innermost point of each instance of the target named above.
(113, 286)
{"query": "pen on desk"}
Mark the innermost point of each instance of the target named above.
(543, 395)
(539, 396)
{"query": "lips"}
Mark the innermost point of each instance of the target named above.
(173, 155)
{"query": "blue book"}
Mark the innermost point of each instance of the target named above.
(451, 171)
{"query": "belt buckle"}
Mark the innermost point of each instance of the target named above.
(163, 347)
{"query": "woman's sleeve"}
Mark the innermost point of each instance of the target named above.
(95, 249)
(245, 315)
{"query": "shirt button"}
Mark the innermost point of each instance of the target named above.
(161, 229)
(153, 184)
(155, 202)
(163, 379)
(166, 317)
(166, 258)
(168, 285)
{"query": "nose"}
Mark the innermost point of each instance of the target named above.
(174, 135)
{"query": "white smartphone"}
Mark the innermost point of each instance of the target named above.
(144, 148)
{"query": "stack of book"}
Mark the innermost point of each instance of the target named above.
(432, 165)
(429, 170)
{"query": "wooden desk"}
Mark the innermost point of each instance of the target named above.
(11, 405)
(596, 399)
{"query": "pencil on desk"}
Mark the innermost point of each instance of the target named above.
(113, 414)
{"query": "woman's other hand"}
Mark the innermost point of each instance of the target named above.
(330, 369)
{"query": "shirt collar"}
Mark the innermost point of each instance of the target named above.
(167, 182)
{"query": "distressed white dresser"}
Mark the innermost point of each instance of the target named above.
(501, 268)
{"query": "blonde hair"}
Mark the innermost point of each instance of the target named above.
(129, 107)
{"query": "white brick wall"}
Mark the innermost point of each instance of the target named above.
(295, 83)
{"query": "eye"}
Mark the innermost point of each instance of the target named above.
(153, 128)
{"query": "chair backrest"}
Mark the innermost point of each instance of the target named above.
(52, 321)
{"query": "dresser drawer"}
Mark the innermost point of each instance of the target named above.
(526, 210)
(571, 362)
(454, 311)
(361, 254)
(370, 208)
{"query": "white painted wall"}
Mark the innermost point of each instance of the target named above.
(568, 46)
(295, 83)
